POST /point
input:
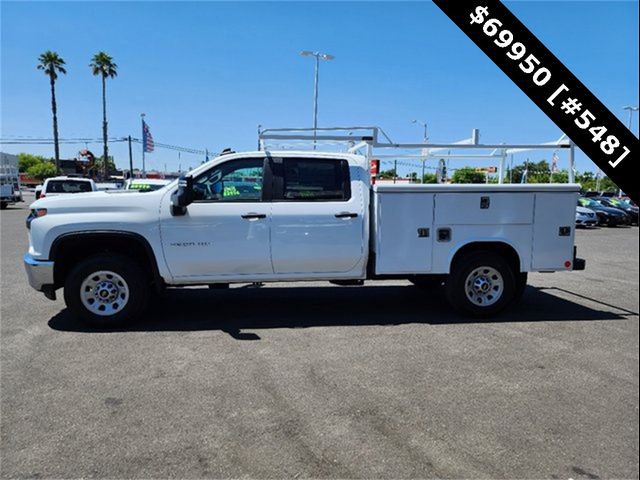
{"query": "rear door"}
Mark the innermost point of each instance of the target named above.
(317, 224)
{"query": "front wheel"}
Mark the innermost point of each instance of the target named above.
(481, 284)
(106, 290)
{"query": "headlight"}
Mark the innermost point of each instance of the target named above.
(35, 213)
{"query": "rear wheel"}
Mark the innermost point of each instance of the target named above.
(481, 284)
(3, 205)
(106, 290)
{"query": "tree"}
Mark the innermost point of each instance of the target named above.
(561, 176)
(589, 182)
(51, 64)
(99, 166)
(388, 174)
(430, 178)
(537, 172)
(468, 175)
(102, 64)
(607, 185)
(42, 170)
(27, 160)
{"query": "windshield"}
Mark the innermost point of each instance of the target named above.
(145, 187)
(587, 202)
(619, 202)
(68, 186)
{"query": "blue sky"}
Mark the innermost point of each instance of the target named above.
(207, 73)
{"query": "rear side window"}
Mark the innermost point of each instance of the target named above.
(68, 186)
(315, 180)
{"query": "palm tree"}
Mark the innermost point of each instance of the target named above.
(102, 64)
(52, 64)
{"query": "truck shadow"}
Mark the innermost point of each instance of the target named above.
(239, 309)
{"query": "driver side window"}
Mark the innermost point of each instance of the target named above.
(232, 181)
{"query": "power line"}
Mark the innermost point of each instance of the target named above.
(175, 147)
(17, 140)
(50, 141)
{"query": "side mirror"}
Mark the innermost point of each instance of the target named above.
(183, 197)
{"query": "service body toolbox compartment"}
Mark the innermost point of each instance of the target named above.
(417, 229)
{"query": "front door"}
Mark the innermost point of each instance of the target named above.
(317, 224)
(225, 232)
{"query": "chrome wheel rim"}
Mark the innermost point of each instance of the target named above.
(484, 286)
(104, 293)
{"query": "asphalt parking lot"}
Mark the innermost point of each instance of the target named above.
(323, 381)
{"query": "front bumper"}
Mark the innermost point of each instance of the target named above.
(587, 221)
(39, 273)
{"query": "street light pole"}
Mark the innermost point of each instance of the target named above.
(315, 100)
(144, 167)
(259, 141)
(130, 158)
(318, 56)
(425, 138)
(631, 110)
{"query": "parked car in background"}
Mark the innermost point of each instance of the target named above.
(611, 217)
(626, 207)
(67, 185)
(9, 192)
(9, 181)
(37, 191)
(585, 217)
(146, 184)
(104, 186)
(628, 200)
(592, 194)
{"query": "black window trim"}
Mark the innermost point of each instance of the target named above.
(278, 181)
(77, 181)
(266, 181)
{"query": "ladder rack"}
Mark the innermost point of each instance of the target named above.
(367, 139)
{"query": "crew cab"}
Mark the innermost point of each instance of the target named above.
(271, 216)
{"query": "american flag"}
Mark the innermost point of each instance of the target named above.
(147, 139)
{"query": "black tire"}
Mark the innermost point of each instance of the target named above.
(456, 285)
(3, 205)
(521, 285)
(136, 285)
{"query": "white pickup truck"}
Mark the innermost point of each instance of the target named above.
(297, 216)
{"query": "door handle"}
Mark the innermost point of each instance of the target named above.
(346, 215)
(253, 216)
